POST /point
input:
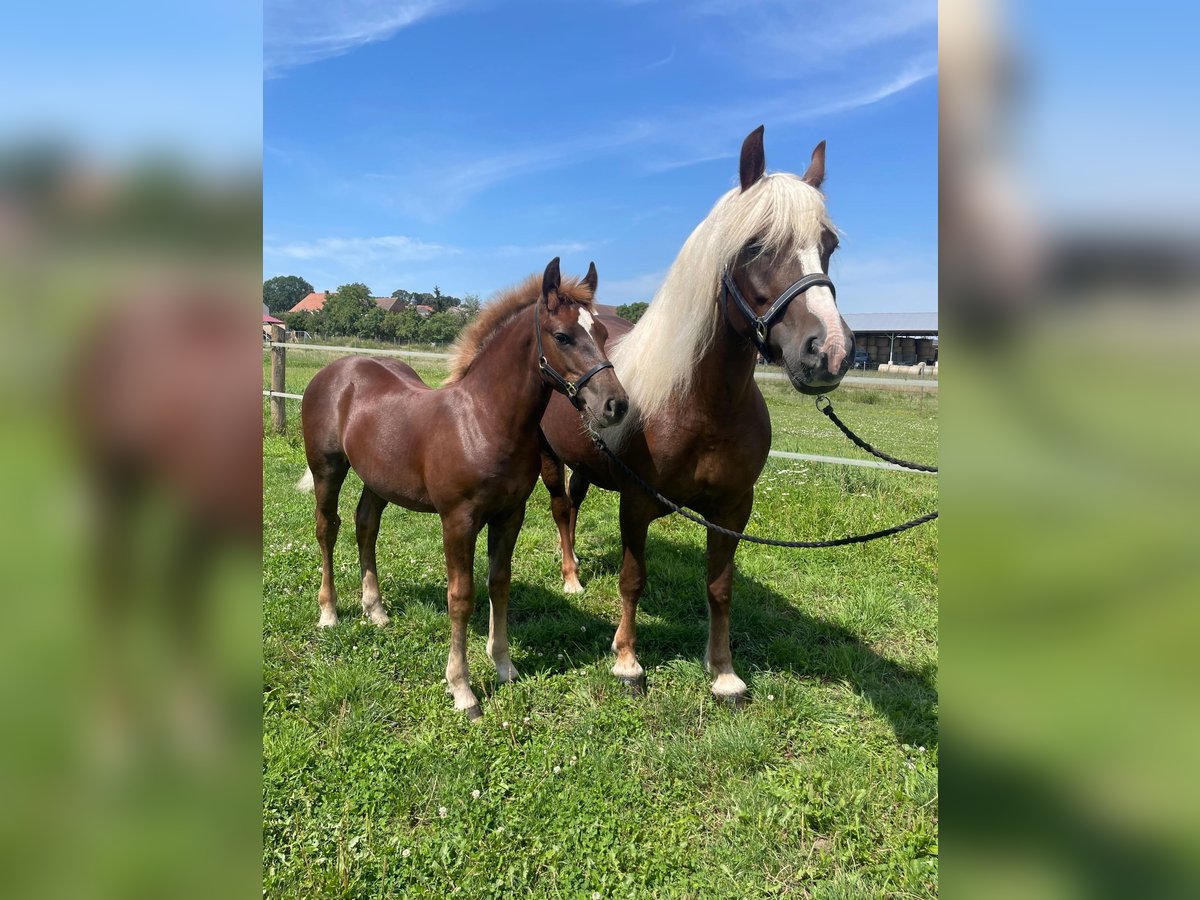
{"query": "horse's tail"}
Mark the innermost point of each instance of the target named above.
(305, 483)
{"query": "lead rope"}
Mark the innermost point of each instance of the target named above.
(773, 542)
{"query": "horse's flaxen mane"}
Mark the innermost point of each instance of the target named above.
(658, 358)
(499, 310)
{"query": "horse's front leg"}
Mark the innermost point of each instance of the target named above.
(458, 540)
(502, 538)
(635, 520)
(718, 659)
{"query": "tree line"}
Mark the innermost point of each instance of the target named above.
(351, 311)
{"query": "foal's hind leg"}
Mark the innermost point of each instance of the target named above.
(366, 528)
(328, 476)
(502, 538)
(560, 508)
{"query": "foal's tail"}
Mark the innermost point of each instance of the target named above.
(305, 483)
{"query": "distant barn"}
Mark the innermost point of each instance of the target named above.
(898, 338)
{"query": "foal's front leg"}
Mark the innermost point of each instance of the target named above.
(502, 538)
(458, 541)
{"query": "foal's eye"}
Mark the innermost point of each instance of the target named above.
(564, 339)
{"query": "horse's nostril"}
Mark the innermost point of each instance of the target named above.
(616, 408)
(812, 346)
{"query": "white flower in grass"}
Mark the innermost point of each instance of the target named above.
(443, 812)
(595, 895)
(504, 724)
(557, 769)
(500, 830)
(574, 760)
(560, 656)
(476, 794)
(770, 696)
(406, 853)
(920, 749)
(527, 720)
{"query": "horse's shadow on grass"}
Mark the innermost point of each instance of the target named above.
(550, 632)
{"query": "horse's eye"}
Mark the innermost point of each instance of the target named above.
(564, 339)
(754, 249)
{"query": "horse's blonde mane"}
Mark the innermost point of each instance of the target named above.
(499, 310)
(658, 358)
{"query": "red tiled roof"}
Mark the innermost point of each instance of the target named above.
(316, 300)
(311, 303)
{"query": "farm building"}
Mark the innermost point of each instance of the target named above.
(900, 338)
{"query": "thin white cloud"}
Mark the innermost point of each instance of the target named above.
(548, 250)
(358, 251)
(298, 32)
(696, 142)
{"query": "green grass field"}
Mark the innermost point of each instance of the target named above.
(825, 785)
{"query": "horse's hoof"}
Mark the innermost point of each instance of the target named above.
(474, 713)
(635, 683)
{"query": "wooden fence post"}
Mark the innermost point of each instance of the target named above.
(278, 380)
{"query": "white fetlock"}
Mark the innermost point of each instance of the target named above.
(377, 615)
(328, 619)
(728, 685)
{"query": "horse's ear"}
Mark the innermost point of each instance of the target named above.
(815, 173)
(754, 161)
(591, 279)
(550, 283)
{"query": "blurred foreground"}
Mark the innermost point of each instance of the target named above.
(1069, 601)
(129, 278)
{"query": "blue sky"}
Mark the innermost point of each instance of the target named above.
(464, 144)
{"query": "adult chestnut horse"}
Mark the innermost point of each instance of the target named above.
(467, 451)
(751, 278)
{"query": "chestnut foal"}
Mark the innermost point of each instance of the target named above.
(467, 451)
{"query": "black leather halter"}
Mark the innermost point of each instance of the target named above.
(570, 389)
(761, 325)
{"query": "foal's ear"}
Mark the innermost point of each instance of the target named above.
(754, 161)
(591, 279)
(815, 173)
(550, 282)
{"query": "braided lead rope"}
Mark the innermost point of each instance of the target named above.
(769, 542)
(827, 409)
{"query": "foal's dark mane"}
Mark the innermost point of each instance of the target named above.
(502, 308)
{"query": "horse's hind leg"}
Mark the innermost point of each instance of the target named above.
(328, 476)
(502, 538)
(366, 530)
(560, 508)
(577, 492)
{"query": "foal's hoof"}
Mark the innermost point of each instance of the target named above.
(474, 713)
(635, 683)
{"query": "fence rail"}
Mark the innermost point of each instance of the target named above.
(277, 396)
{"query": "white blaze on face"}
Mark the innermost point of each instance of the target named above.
(586, 320)
(821, 304)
